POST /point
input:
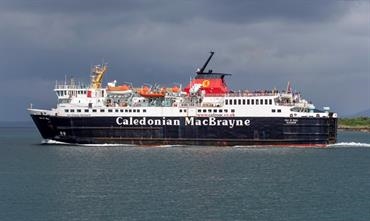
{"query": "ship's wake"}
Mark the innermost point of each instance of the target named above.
(350, 144)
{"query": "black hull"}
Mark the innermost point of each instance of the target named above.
(180, 131)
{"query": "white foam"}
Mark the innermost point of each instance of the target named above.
(350, 144)
(48, 141)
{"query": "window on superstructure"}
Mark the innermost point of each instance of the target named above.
(273, 110)
(225, 110)
(129, 110)
(110, 110)
(209, 111)
(121, 110)
(252, 101)
(248, 102)
(220, 110)
(234, 101)
(214, 110)
(126, 110)
(232, 110)
(138, 110)
(184, 110)
(94, 110)
(266, 102)
(144, 110)
(204, 110)
(261, 102)
(270, 101)
(199, 110)
(239, 102)
(72, 110)
(86, 110)
(102, 110)
(226, 102)
(279, 110)
(180, 110)
(79, 110)
(134, 110)
(66, 110)
(243, 101)
(256, 101)
(116, 110)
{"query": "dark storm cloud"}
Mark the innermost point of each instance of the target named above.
(314, 44)
(173, 11)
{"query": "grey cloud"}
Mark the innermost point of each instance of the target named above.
(320, 48)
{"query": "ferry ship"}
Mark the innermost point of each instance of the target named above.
(205, 112)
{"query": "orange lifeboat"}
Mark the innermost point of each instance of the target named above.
(121, 89)
(175, 89)
(145, 91)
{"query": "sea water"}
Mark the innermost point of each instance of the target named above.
(61, 182)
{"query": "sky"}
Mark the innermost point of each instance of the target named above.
(321, 47)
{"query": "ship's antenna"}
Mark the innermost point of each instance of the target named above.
(205, 64)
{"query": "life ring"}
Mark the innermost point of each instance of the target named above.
(206, 83)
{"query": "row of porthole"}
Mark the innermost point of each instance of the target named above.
(103, 110)
(248, 101)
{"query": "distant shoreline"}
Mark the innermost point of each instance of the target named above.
(355, 124)
(354, 128)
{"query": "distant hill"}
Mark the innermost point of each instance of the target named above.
(365, 113)
(16, 124)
